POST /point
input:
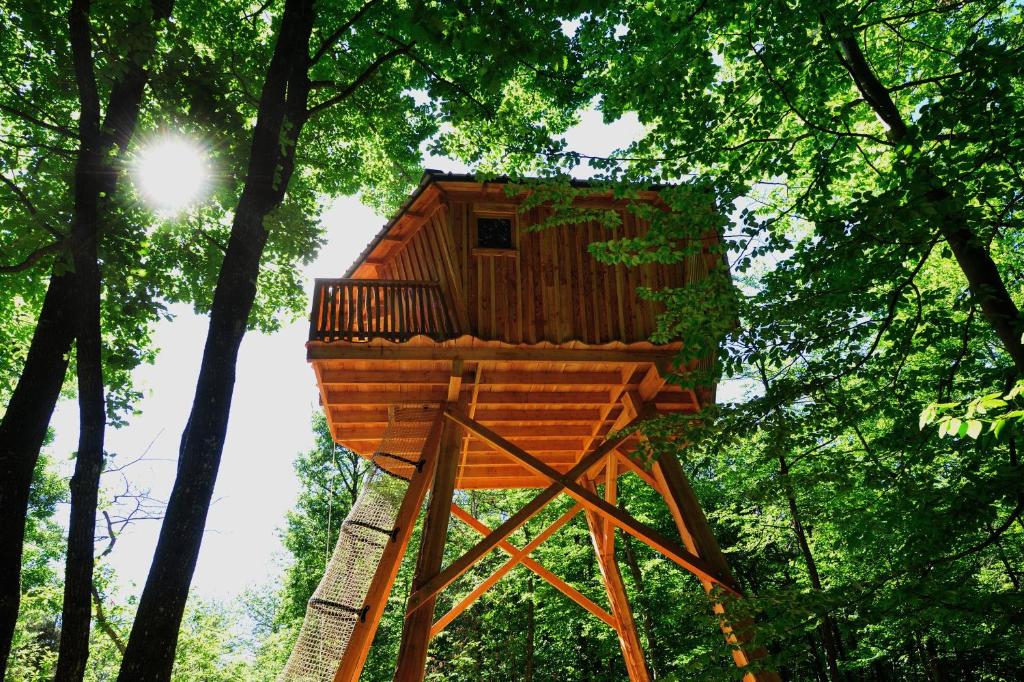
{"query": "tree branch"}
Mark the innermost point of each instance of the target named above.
(80, 31)
(32, 258)
(334, 37)
(29, 206)
(792, 106)
(103, 623)
(34, 120)
(367, 74)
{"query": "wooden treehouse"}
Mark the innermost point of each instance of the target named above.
(535, 353)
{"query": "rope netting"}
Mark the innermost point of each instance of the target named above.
(338, 602)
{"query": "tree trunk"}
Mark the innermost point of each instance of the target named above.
(531, 630)
(645, 604)
(95, 179)
(77, 612)
(827, 629)
(149, 654)
(974, 259)
(22, 432)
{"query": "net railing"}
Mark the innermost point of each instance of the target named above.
(337, 603)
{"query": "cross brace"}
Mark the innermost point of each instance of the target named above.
(590, 501)
(521, 556)
(466, 561)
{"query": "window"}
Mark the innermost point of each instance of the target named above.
(494, 233)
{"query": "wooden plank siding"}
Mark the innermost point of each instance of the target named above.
(549, 288)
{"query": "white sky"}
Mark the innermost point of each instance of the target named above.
(275, 396)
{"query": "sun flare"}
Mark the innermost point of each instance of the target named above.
(171, 173)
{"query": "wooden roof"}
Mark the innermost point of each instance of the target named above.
(433, 186)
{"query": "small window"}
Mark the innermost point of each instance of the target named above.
(494, 233)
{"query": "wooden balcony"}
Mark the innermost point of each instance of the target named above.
(360, 310)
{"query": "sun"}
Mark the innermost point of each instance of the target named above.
(171, 173)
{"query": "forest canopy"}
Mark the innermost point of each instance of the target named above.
(861, 470)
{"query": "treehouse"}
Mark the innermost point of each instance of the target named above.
(457, 299)
(465, 350)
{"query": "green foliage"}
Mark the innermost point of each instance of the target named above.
(997, 410)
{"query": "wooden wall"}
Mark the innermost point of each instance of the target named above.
(549, 289)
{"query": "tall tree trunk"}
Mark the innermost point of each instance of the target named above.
(22, 432)
(149, 654)
(531, 631)
(77, 611)
(95, 179)
(971, 255)
(827, 629)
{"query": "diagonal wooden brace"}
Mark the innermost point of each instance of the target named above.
(466, 561)
(556, 582)
(358, 647)
(518, 556)
(691, 562)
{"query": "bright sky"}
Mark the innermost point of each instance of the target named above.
(275, 396)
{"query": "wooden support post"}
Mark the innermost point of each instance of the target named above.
(358, 647)
(611, 495)
(412, 654)
(697, 536)
(629, 641)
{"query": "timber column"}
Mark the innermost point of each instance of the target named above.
(698, 538)
(412, 655)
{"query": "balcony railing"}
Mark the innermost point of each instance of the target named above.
(358, 310)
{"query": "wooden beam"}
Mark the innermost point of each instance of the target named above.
(331, 377)
(696, 533)
(412, 654)
(611, 496)
(629, 641)
(518, 555)
(541, 378)
(627, 462)
(339, 350)
(591, 501)
(463, 563)
(552, 413)
(543, 398)
(425, 396)
(455, 381)
(383, 580)
(556, 582)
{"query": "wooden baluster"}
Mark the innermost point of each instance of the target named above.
(318, 311)
(350, 305)
(399, 314)
(363, 310)
(431, 316)
(390, 312)
(410, 318)
(330, 312)
(377, 319)
(414, 316)
(437, 313)
(424, 323)
(314, 313)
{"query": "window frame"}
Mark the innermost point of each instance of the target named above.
(501, 212)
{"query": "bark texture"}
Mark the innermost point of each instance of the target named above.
(22, 432)
(95, 178)
(149, 653)
(828, 628)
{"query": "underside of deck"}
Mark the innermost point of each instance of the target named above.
(554, 401)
